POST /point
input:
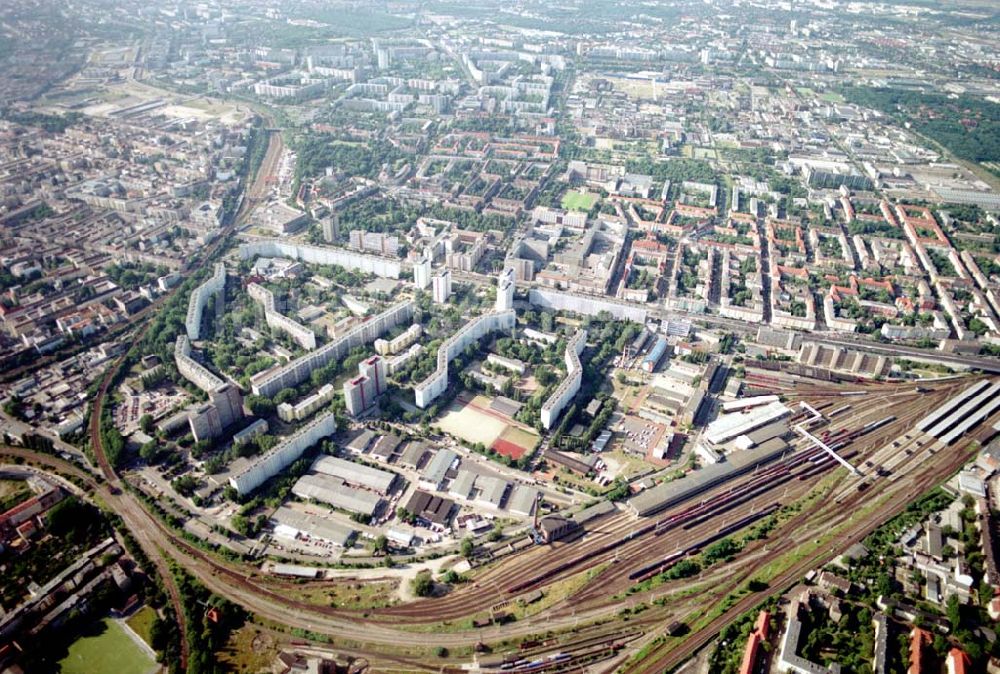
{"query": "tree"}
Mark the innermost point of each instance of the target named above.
(146, 424)
(380, 545)
(149, 452)
(285, 395)
(259, 406)
(496, 534)
(954, 612)
(422, 585)
(468, 547)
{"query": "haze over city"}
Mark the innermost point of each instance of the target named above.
(437, 336)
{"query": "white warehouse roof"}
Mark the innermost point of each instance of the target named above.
(355, 473)
(334, 492)
(730, 426)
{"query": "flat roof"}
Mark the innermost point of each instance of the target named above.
(666, 494)
(333, 492)
(299, 522)
(522, 500)
(355, 473)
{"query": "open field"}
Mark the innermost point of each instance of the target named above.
(468, 422)
(106, 648)
(249, 650)
(141, 623)
(578, 201)
(13, 492)
(473, 422)
(362, 593)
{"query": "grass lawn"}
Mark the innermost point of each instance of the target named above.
(831, 97)
(13, 492)
(249, 650)
(141, 623)
(106, 649)
(346, 593)
(578, 201)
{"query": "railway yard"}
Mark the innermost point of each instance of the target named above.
(817, 509)
(599, 338)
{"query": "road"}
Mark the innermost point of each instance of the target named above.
(847, 340)
(131, 510)
(384, 630)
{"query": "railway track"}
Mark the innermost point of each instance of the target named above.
(924, 480)
(385, 626)
(629, 537)
(97, 405)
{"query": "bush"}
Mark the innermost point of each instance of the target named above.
(423, 584)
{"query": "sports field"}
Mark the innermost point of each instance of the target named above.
(515, 442)
(473, 421)
(578, 201)
(106, 649)
(141, 623)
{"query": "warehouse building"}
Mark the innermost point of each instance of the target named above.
(522, 501)
(730, 426)
(436, 473)
(336, 493)
(431, 511)
(655, 355)
(356, 474)
(668, 494)
(294, 525)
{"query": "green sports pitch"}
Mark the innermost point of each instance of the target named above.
(105, 648)
(578, 201)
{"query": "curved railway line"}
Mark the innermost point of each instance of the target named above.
(251, 197)
(628, 547)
